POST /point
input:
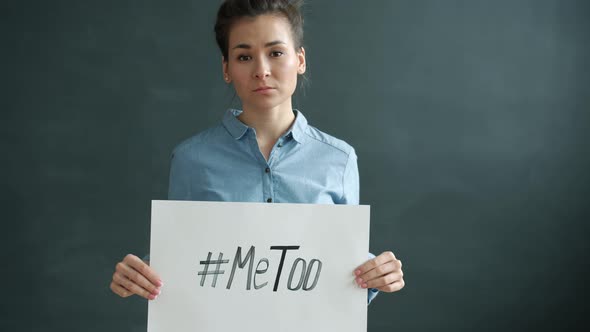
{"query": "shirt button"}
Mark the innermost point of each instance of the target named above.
(267, 170)
(280, 145)
(269, 200)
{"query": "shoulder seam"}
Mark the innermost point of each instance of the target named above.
(324, 142)
(197, 138)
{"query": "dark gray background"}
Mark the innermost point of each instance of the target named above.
(470, 118)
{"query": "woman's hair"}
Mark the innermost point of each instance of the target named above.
(232, 10)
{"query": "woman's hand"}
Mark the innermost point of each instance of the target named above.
(134, 276)
(383, 272)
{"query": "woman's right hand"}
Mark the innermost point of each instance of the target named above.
(134, 276)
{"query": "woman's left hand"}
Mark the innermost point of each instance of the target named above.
(383, 272)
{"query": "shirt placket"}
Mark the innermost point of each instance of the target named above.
(265, 168)
(269, 183)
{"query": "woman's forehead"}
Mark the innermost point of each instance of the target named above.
(259, 31)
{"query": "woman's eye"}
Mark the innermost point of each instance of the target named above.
(276, 53)
(244, 58)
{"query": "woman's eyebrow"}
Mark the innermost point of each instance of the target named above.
(269, 44)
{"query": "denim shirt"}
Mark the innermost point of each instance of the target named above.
(224, 163)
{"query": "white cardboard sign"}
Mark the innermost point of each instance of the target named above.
(258, 267)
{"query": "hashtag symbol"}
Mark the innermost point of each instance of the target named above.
(216, 272)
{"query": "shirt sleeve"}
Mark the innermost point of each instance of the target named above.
(372, 292)
(350, 181)
(350, 195)
(179, 187)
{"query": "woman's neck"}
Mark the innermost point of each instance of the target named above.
(270, 124)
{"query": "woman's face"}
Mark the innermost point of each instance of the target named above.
(262, 62)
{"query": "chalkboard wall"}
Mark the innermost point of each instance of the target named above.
(470, 119)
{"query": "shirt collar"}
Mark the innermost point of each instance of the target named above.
(237, 128)
(299, 127)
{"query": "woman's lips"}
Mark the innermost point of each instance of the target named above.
(264, 90)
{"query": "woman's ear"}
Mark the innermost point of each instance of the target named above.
(226, 77)
(301, 57)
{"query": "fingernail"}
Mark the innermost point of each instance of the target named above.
(364, 286)
(357, 272)
(152, 297)
(156, 292)
(160, 283)
(359, 281)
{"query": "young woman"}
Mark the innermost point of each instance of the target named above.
(266, 152)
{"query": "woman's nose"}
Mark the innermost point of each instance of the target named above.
(262, 68)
